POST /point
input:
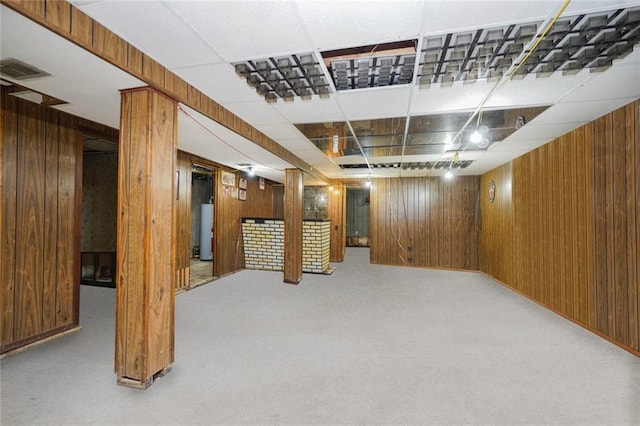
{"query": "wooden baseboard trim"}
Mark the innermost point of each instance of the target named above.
(40, 342)
(629, 349)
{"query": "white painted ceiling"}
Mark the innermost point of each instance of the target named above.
(199, 41)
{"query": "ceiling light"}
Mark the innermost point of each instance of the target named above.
(251, 171)
(475, 137)
(448, 174)
(368, 183)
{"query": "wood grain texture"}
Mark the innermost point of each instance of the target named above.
(574, 228)
(427, 222)
(293, 209)
(9, 216)
(146, 217)
(336, 208)
(183, 220)
(39, 228)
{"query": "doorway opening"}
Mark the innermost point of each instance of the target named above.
(99, 212)
(202, 225)
(358, 213)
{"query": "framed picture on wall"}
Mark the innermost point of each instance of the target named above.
(226, 190)
(242, 195)
(234, 192)
(242, 183)
(228, 179)
(261, 183)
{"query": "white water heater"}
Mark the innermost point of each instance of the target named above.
(206, 231)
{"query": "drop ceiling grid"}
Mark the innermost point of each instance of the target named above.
(153, 28)
(246, 30)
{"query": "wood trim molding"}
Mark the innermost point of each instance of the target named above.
(71, 23)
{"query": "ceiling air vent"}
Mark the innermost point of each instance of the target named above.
(18, 70)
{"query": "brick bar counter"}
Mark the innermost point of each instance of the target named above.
(264, 244)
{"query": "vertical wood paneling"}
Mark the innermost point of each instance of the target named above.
(146, 217)
(30, 223)
(438, 217)
(162, 207)
(183, 221)
(336, 208)
(9, 216)
(39, 250)
(50, 252)
(574, 231)
(68, 248)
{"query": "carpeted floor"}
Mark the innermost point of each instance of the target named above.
(367, 345)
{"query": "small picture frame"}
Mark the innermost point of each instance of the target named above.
(234, 192)
(228, 179)
(242, 195)
(242, 183)
(261, 183)
(226, 190)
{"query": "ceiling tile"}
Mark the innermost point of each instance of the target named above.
(219, 82)
(339, 24)
(579, 112)
(247, 29)
(154, 29)
(280, 132)
(375, 103)
(459, 15)
(257, 113)
(314, 111)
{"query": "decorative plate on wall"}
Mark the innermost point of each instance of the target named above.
(492, 191)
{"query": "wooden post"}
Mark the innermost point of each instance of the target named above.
(337, 215)
(145, 252)
(293, 208)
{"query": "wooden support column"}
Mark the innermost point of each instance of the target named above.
(145, 260)
(337, 216)
(293, 208)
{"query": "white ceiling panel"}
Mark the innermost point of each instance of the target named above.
(31, 43)
(437, 99)
(323, 110)
(219, 82)
(533, 132)
(517, 145)
(441, 16)
(153, 28)
(281, 132)
(241, 30)
(365, 104)
(257, 113)
(339, 24)
(536, 90)
(579, 112)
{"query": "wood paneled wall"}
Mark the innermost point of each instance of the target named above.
(564, 228)
(183, 220)
(337, 215)
(428, 222)
(41, 204)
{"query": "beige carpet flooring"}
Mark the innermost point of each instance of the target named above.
(367, 345)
